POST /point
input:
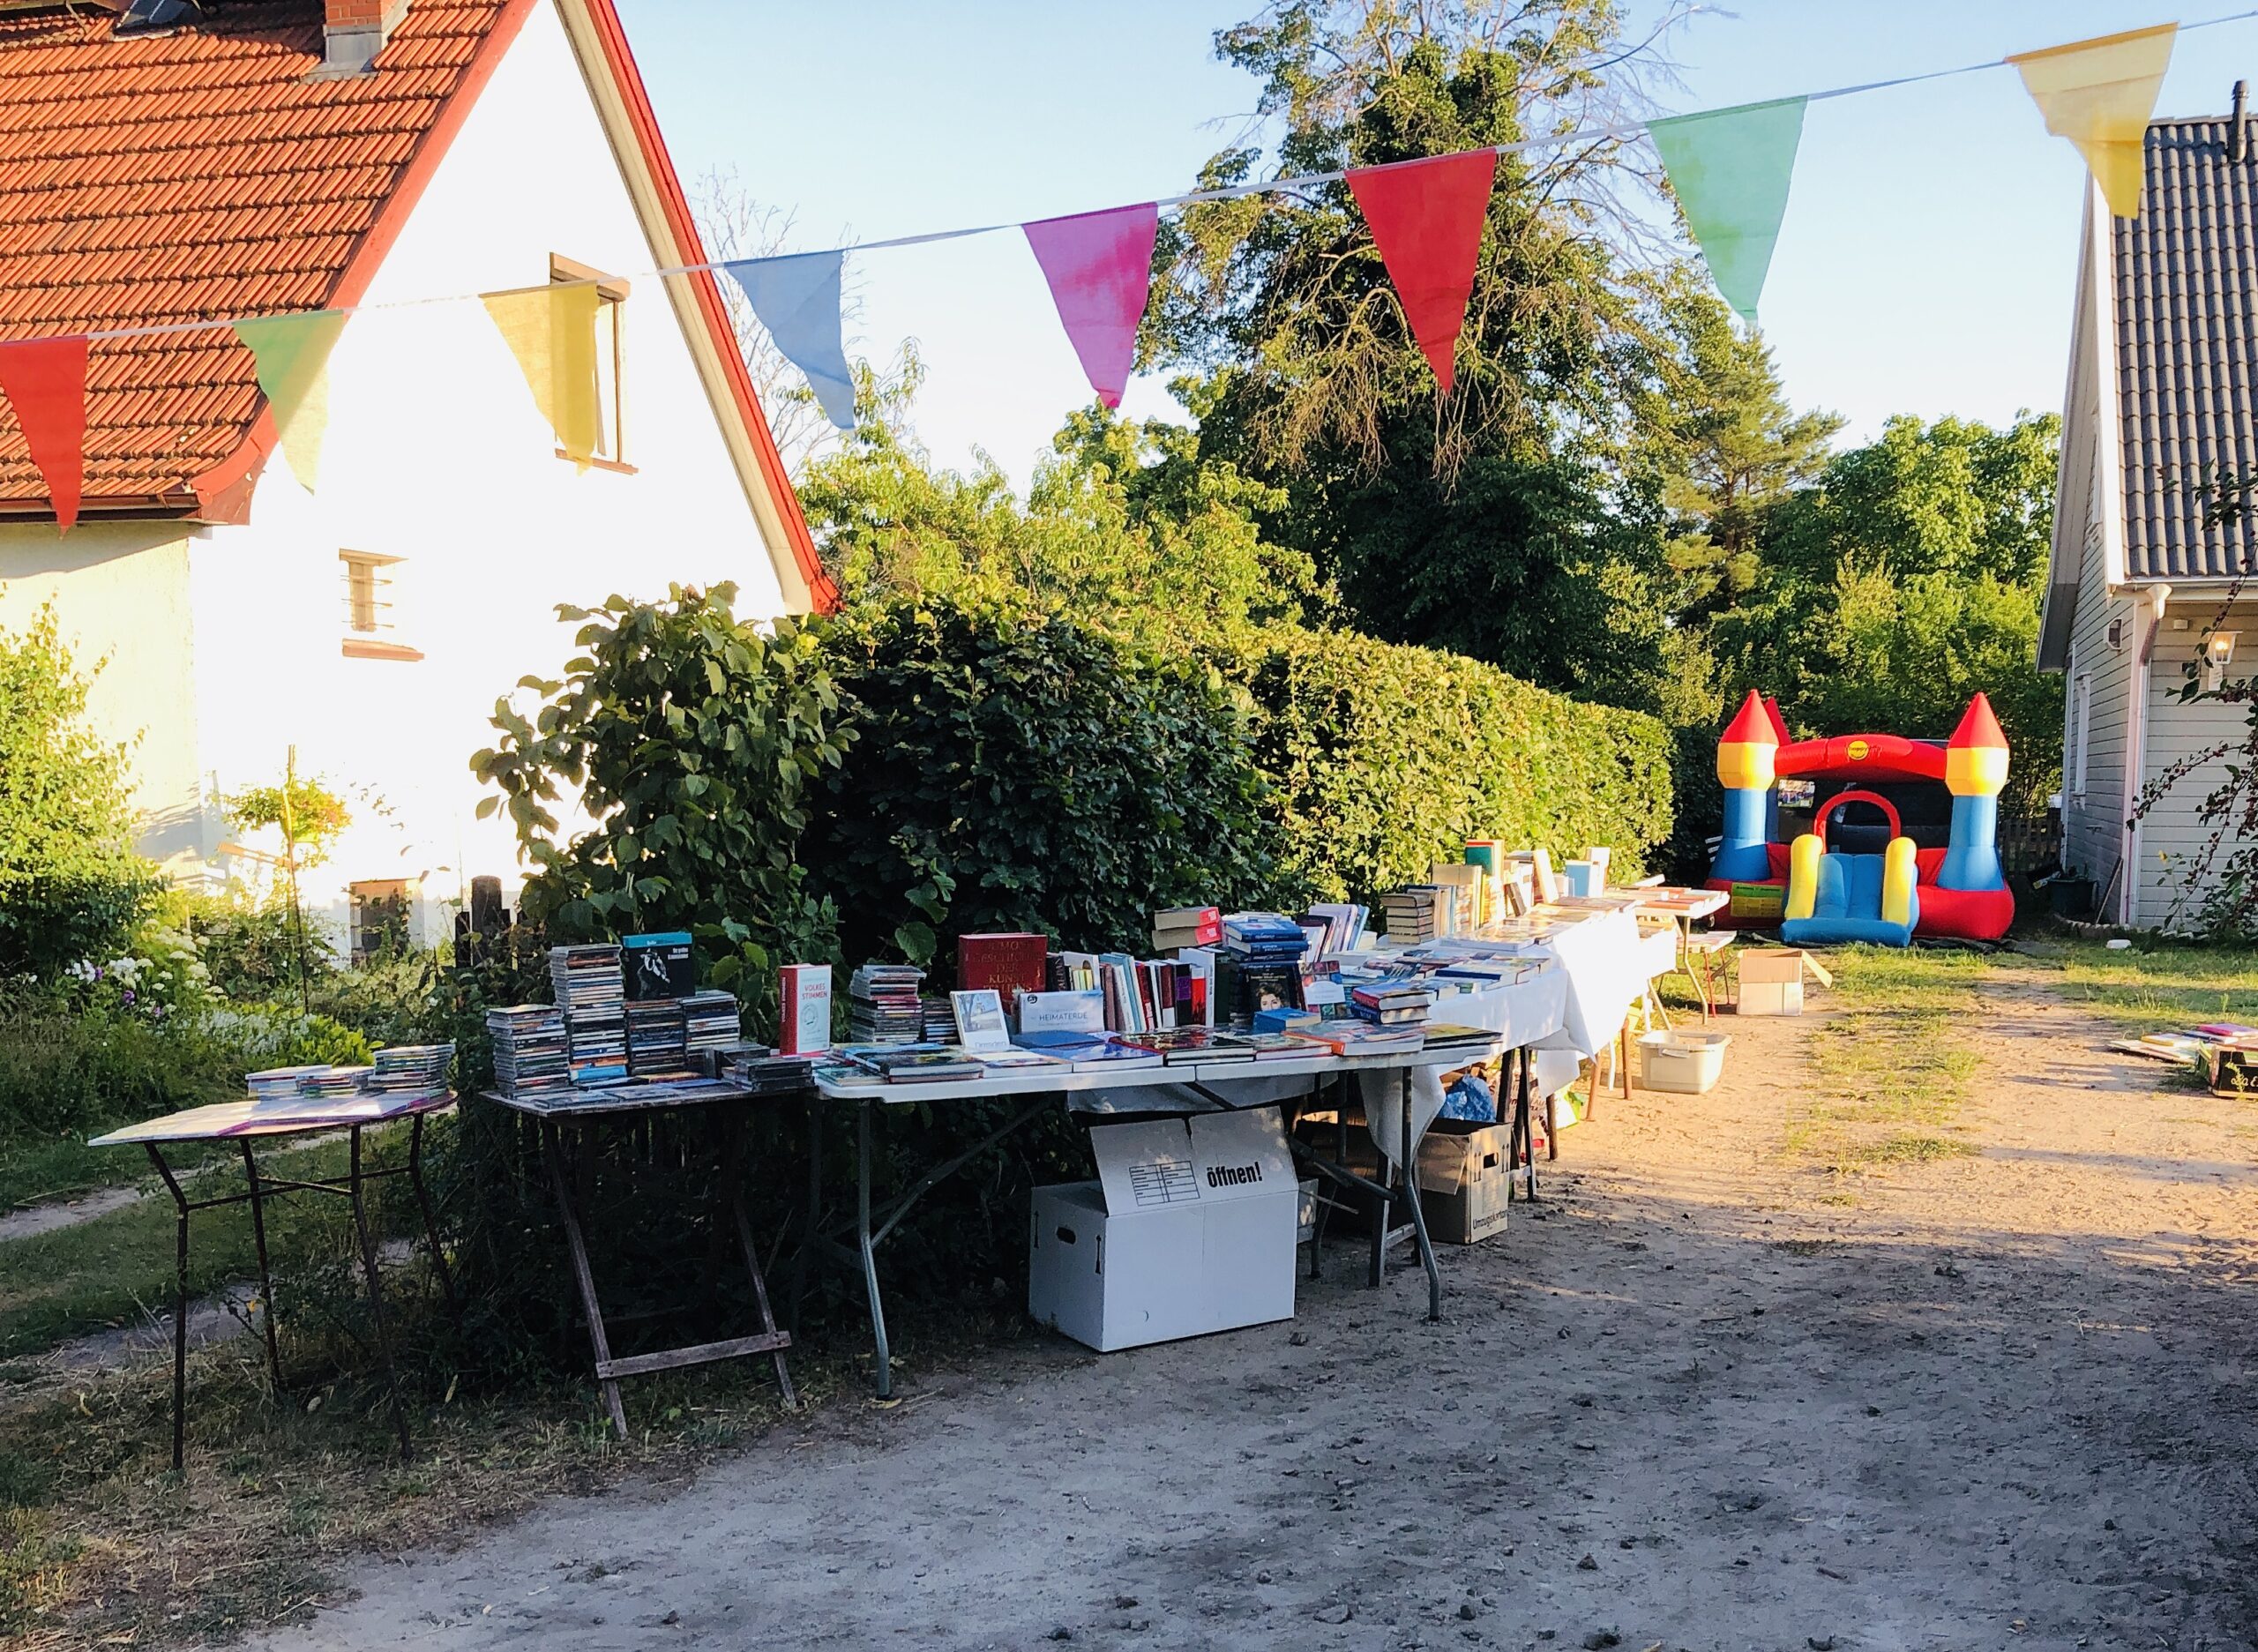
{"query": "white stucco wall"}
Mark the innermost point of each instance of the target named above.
(436, 454)
(120, 592)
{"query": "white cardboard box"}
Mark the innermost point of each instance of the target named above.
(1190, 1228)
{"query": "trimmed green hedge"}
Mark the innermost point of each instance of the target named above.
(1384, 758)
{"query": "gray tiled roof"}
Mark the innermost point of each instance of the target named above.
(2186, 279)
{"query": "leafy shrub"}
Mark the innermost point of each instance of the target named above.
(1023, 771)
(247, 945)
(1384, 758)
(696, 741)
(70, 886)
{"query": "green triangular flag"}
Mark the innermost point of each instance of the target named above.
(291, 355)
(1732, 168)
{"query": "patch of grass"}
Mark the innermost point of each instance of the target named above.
(104, 1273)
(1887, 1073)
(2158, 985)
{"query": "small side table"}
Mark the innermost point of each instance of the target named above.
(584, 1108)
(244, 1122)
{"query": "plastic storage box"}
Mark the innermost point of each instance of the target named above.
(1687, 1063)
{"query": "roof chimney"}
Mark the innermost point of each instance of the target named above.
(354, 32)
(2235, 142)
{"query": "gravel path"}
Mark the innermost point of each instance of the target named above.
(2001, 1400)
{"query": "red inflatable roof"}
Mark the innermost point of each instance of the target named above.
(1860, 756)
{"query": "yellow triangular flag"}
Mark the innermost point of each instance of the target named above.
(552, 332)
(2099, 94)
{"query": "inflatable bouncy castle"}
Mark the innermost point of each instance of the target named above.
(1902, 831)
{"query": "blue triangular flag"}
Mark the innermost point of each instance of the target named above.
(797, 300)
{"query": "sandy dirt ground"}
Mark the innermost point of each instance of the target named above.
(2003, 1401)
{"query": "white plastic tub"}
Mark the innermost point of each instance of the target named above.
(1687, 1063)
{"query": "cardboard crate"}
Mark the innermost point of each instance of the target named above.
(1465, 1179)
(1191, 1228)
(1771, 980)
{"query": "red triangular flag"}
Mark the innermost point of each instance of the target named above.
(1099, 267)
(45, 382)
(1426, 218)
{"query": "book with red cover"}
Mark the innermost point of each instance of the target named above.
(1007, 962)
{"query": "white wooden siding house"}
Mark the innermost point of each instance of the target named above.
(2162, 403)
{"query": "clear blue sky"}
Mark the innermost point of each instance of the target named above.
(1926, 265)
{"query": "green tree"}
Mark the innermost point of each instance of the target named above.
(1716, 429)
(1125, 526)
(70, 886)
(694, 742)
(1907, 579)
(1490, 521)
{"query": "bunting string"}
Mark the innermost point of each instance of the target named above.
(1729, 169)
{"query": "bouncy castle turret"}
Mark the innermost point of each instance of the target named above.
(1744, 758)
(1975, 769)
(1772, 797)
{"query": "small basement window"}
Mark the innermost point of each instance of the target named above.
(611, 358)
(368, 586)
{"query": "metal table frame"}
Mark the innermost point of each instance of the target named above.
(873, 1224)
(257, 1191)
(615, 1106)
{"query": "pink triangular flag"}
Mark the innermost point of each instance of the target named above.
(45, 382)
(1426, 218)
(1099, 267)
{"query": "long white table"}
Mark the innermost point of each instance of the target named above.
(1216, 1084)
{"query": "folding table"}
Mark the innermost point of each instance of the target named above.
(580, 1108)
(1178, 1088)
(245, 1122)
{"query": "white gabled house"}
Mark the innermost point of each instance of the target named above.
(160, 161)
(2144, 577)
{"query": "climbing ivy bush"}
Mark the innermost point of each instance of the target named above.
(1021, 770)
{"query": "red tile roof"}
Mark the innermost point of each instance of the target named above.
(200, 174)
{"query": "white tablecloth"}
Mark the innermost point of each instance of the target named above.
(1598, 970)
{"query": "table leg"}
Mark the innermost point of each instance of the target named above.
(430, 1226)
(552, 1154)
(1625, 1056)
(732, 1158)
(180, 1310)
(885, 1357)
(265, 1277)
(376, 1292)
(809, 1241)
(1419, 1214)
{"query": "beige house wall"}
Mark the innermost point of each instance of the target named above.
(121, 596)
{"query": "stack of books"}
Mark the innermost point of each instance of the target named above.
(1391, 1002)
(1186, 1046)
(915, 1063)
(332, 1084)
(1415, 913)
(1091, 1052)
(656, 1044)
(589, 992)
(711, 1021)
(1265, 951)
(410, 1069)
(1334, 927)
(528, 1050)
(882, 1005)
(762, 1071)
(277, 1084)
(937, 1021)
(1187, 926)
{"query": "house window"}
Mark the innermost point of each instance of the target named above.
(2081, 724)
(611, 357)
(367, 586)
